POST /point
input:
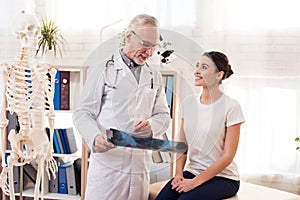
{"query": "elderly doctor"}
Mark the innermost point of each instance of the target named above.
(124, 93)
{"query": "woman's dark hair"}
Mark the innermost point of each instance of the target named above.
(221, 61)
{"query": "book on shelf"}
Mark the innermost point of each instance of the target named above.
(70, 136)
(71, 180)
(64, 141)
(77, 171)
(56, 146)
(61, 98)
(60, 144)
(53, 184)
(64, 90)
(56, 98)
(62, 178)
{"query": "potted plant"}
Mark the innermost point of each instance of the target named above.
(50, 39)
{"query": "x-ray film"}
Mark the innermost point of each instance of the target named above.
(122, 138)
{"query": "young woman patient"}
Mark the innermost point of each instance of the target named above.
(210, 125)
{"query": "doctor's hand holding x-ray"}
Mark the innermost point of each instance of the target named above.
(141, 128)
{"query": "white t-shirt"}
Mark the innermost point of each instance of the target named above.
(204, 127)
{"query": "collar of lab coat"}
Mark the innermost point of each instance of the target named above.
(120, 65)
(146, 72)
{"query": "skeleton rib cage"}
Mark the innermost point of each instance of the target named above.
(26, 89)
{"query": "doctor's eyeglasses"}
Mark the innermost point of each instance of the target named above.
(145, 43)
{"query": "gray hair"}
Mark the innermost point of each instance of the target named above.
(142, 19)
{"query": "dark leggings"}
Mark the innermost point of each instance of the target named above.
(214, 189)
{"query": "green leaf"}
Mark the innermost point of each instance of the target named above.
(50, 38)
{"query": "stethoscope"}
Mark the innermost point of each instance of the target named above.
(113, 86)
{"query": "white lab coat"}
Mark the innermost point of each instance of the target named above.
(120, 173)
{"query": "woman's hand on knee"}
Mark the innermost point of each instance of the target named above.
(186, 185)
(175, 182)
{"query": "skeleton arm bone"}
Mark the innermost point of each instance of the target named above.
(3, 120)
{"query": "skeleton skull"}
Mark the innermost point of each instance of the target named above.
(27, 30)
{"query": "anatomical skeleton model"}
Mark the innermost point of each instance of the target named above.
(28, 88)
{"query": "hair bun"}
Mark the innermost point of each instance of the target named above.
(229, 72)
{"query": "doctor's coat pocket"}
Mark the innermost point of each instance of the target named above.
(146, 99)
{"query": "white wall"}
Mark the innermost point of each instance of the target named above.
(252, 51)
(272, 53)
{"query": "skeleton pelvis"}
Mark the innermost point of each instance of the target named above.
(37, 141)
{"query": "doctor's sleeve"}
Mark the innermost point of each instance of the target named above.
(85, 115)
